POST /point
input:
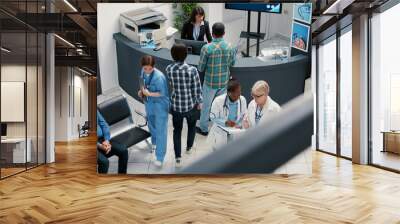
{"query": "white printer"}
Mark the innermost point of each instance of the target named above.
(144, 26)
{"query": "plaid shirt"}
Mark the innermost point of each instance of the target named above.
(215, 60)
(185, 86)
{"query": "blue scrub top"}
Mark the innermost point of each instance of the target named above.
(233, 110)
(156, 82)
(103, 130)
(232, 113)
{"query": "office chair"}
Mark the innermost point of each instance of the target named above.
(84, 129)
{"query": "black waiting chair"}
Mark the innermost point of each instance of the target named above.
(123, 129)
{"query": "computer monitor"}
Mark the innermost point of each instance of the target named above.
(194, 46)
(3, 129)
(256, 7)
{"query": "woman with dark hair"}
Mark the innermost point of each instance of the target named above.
(196, 28)
(154, 92)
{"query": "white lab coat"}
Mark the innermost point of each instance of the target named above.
(271, 107)
(219, 109)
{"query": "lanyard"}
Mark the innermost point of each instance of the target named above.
(258, 114)
(149, 80)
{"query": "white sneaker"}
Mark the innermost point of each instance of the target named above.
(158, 164)
(153, 156)
(178, 162)
(189, 151)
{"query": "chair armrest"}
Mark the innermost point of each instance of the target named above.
(143, 116)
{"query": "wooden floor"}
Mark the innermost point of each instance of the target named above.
(70, 191)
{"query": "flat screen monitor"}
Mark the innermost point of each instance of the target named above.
(193, 46)
(256, 7)
(3, 129)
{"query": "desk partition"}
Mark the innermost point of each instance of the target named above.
(286, 77)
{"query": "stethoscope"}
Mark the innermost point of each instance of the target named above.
(146, 84)
(225, 108)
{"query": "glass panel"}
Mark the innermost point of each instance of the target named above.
(13, 80)
(385, 84)
(346, 94)
(31, 98)
(327, 96)
(31, 86)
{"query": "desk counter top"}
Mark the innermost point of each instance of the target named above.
(285, 77)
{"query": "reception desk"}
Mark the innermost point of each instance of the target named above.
(286, 77)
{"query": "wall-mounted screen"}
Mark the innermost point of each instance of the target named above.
(302, 12)
(257, 7)
(12, 101)
(300, 36)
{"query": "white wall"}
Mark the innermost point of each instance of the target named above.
(61, 103)
(67, 79)
(107, 25)
(80, 82)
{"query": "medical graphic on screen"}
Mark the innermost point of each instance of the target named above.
(300, 36)
(302, 12)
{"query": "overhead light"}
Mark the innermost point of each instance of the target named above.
(84, 71)
(64, 40)
(70, 5)
(5, 50)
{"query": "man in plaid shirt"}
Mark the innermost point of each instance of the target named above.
(216, 58)
(186, 98)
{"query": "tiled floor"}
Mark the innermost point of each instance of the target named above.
(141, 162)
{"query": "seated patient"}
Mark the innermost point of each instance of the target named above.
(261, 107)
(227, 110)
(106, 149)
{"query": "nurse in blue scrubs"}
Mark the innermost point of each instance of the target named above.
(154, 92)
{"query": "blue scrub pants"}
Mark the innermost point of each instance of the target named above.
(157, 118)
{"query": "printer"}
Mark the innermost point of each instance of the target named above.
(144, 26)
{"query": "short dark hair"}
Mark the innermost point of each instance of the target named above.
(218, 29)
(232, 85)
(148, 60)
(179, 52)
(197, 11)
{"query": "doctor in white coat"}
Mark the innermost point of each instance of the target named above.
(227, 110)
(261, 107)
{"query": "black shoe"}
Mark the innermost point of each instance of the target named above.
(198, 130)
(178, 162)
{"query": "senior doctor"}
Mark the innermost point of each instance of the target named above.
(227, 110)
(261, 107)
